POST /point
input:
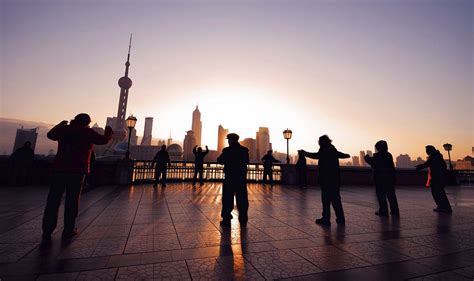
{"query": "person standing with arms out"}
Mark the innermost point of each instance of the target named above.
(437, 172)
(268, 161)
(71, 164)
(330, 179)
(235, 158)
(162, 161)
(301, 169)
(199, 164)
(384, 177)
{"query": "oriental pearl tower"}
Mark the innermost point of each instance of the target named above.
(125, 83)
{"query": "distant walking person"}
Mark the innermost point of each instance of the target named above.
(21, 162)
(384, 177)
(301, 169)
(199, 164)
(162, 161)
(268, 161)
(71, 164)
(330, 179)
(437, 173)
(235, 158)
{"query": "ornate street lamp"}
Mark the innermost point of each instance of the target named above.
(448, 147)
(287, 135)
(131, 121)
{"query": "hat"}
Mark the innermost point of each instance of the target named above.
(233, 136)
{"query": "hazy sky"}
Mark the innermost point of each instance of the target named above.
(358, 71)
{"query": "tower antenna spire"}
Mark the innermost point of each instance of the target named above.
(127, 64)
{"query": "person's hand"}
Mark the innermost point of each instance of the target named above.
(195, 146)
(206, 147)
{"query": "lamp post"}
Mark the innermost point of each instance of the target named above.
(287, 135)
(448, 147)
(131, 121)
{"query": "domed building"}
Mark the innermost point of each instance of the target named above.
(175, 151)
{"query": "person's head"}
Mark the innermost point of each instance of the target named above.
(324, 140)
(430, 150)
(381, 146)
(199, 149)
(270, 151)
(300, 153)
(27, 144)
(163, 147)
(232, 138)
(82, 120)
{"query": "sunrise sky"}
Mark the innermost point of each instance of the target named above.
(358, 71)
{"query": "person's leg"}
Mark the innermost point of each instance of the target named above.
(196, 171)
(201, 175)
(242, 203)
(71, 208)
(392, 199)
(157, 176)
(337, 205)
(442, 199)
(264, 180)
(50, 216)
(326, 201)
(381, 197)
(270, 175)
(435, 193)
(163, 176)
(227, 202)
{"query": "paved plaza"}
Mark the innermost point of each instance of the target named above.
(142, 233)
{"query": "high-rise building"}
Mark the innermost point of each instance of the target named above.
(188, 145)
(369, 153)
(221, 138)
(147, 133)
(404, 161)
(24, 135)
(251, 144)
(355, 161)
(362, 159)
(263, 141)
(197, 125)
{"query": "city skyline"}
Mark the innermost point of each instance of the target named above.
(417, 86)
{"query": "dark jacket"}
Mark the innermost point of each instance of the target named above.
(301, 163)
(437, 169)
(268, 161)
(328, 165)
(75, 144)
(199, 156)
(384, 169)
(22, 157)
(161, 158)
(235, 159)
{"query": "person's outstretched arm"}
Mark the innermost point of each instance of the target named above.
(97, 138)
(207, 150)
(423, 166)
(312, 155)
(194, 149)
(55, 132)
(341, 155)
(276, 160)
(369, 160)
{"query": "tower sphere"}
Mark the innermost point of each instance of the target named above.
(125, 82)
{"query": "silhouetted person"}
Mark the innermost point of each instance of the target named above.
(162, 161)
(199, 164)
(268, 161)
(21, 162)
(437, 173)
(330, 179)
(384, 177)
(235, 158)
(71, 164)
(301, 169)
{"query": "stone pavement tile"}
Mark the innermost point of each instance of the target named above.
(110, 246)
(139, 244)
(138, 272)
(97, 275)
(223, 268)
(329, 258)
(68, 276)
(292, 244)
(176, 270)
(124, 260)
(247, 248)
(381, 256)
(284, 233)
(280, 264)
(466, 271)
(448, 276)
(162, 242)
(13, 252)
(19, 235)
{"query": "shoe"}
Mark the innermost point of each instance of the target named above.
(69, 235)
(323, 222)
(381, 214)
(225, 223)
(342, 222)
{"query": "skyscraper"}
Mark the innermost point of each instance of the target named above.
(24, 135)
(147, 133)
(221, 137)
(355, 161)
(188, 145)
(362, 159)
(263, 141)
(197, 125)
(251, 144)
